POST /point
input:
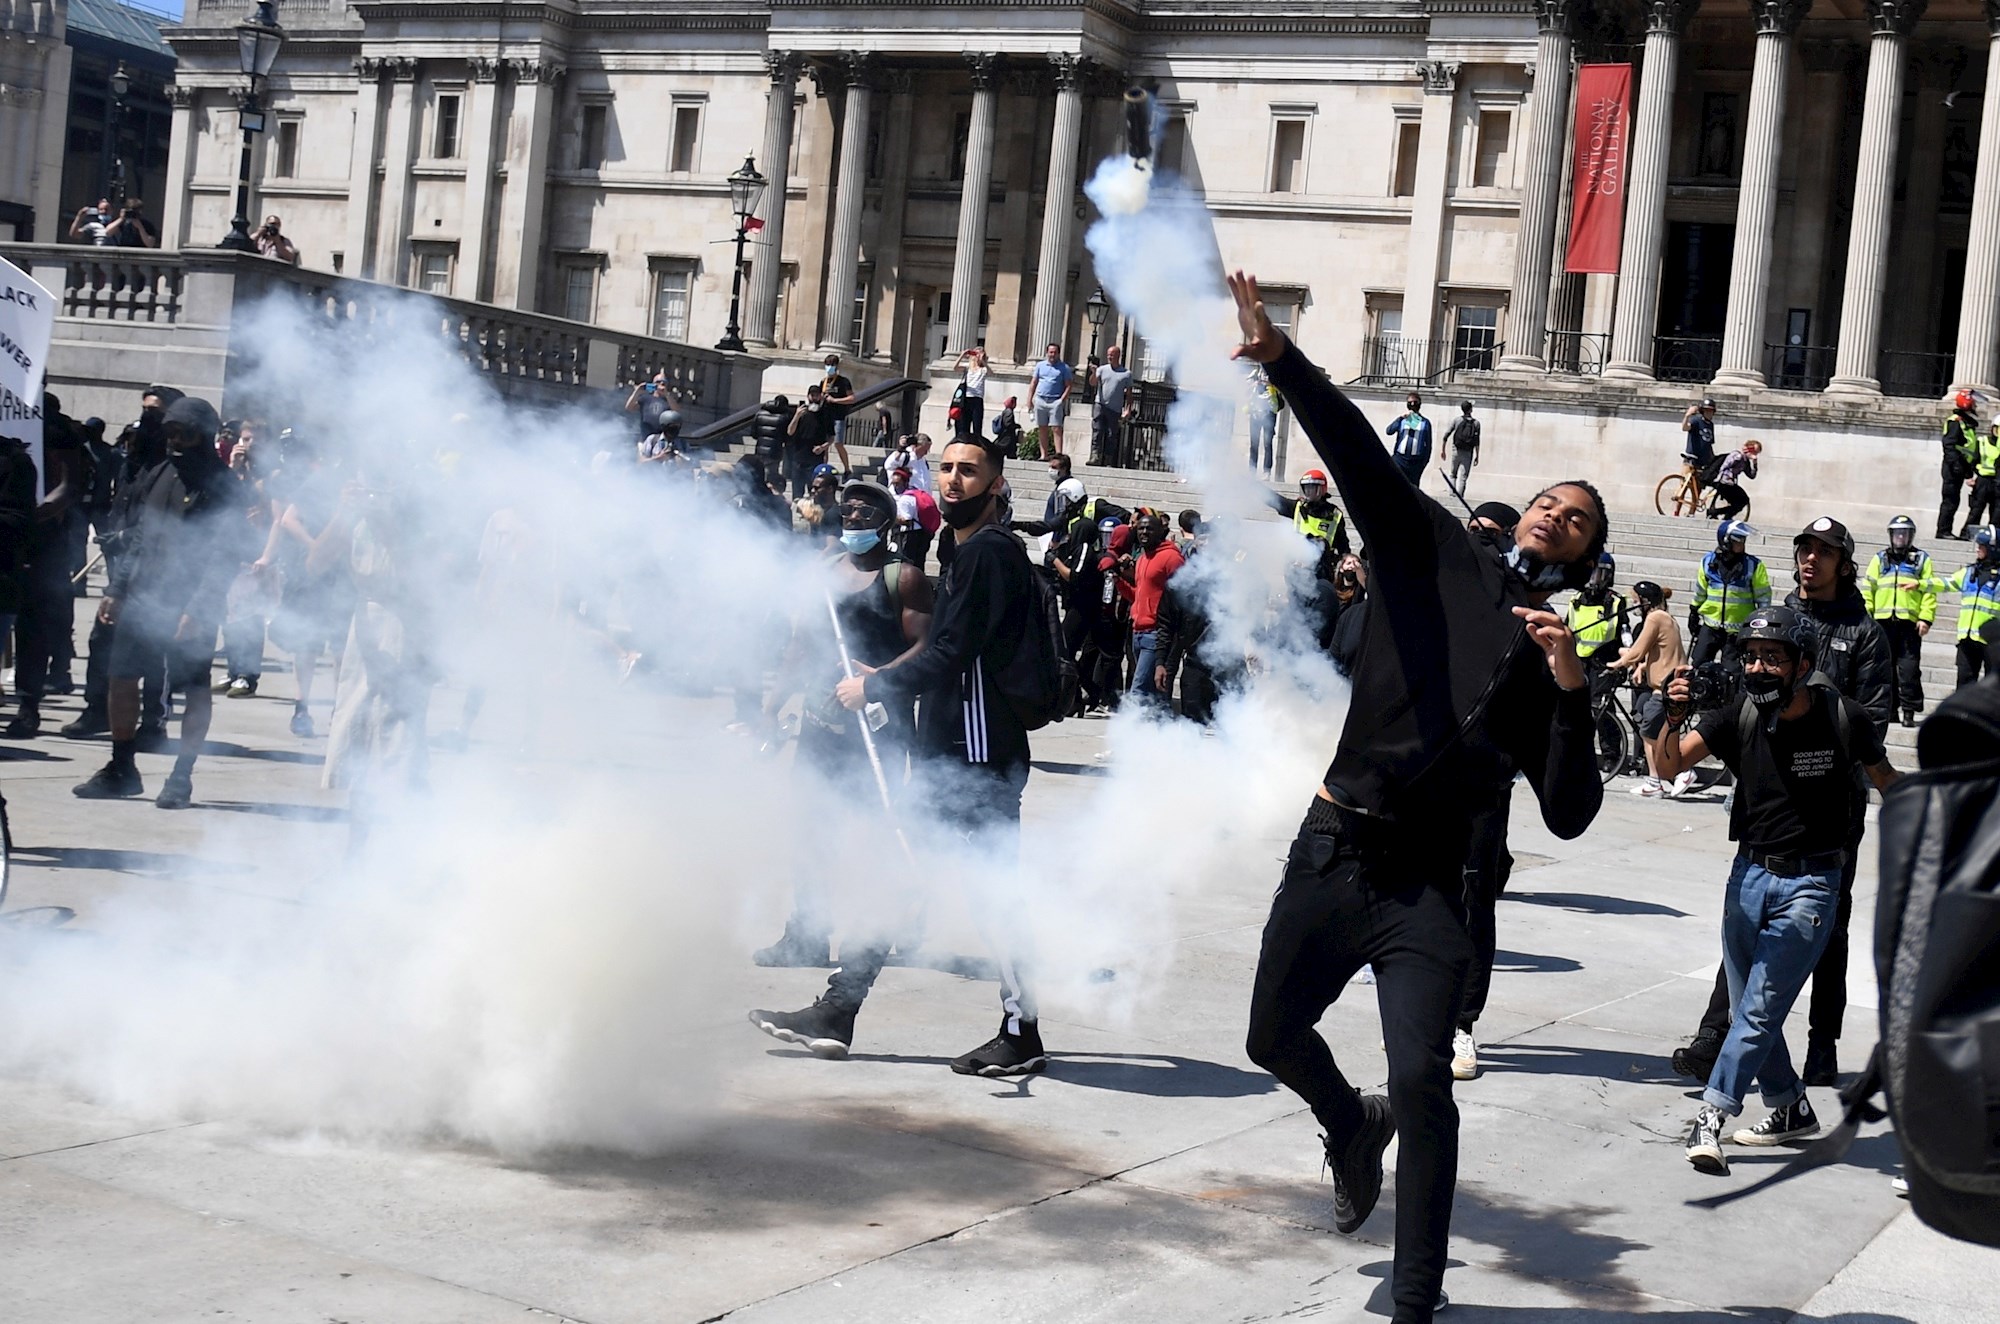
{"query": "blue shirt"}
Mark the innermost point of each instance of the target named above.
(1052, 379)
(1413, 435)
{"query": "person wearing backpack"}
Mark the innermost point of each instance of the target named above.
(971, 752)
(1794, 743)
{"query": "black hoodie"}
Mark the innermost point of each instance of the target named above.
(1449, 693)
(188, 536)
(1853, 652)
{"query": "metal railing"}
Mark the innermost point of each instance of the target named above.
(1140, 442)
(1397, 361)
(1686, 358)
(1581, 352)
(1914, 373)
(1798, 367)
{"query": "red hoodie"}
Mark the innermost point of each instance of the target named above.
(1153, 571)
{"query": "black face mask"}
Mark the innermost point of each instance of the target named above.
(1543, 576)
(1770, 692)
(959, 514)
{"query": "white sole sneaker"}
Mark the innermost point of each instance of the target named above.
(831, 1049)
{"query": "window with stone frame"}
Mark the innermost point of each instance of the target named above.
(579, 287)
(285, 147)
(1408, 146)
(445, 122)
(431, 267)
(1475, 335)
(857, 331)
(1492, 164)
(593, 135)
(1288, 156)
(673, 297)
(686, 159)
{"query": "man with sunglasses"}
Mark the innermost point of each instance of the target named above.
(1794, 743)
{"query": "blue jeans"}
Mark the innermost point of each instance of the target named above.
(1773, 931)
(1146, 655)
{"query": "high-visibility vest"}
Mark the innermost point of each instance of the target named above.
(1978, 587)
(1324, 528)
(1726, 600)
(1986, 455)
(1902, 588)
(1962, 437)
(1595, 624)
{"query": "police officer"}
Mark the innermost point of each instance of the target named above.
(1978, 589)
(1313, 513)
(1901, 594)
(1596, 616)
(1985, 500)
(1961, 442)
(1732, 584)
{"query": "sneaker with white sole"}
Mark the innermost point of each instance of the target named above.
(1682, 784)
(1650, 788)
(1704, 1143)
(1783, 1126)
(1464, 1056)
(822, 1029)
(1006, 1054)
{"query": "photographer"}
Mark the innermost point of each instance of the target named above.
(1795, 744)
(806, 438)
(92, 223)
(132, 229)
(271, 242)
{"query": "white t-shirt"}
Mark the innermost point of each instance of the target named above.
(975, 385)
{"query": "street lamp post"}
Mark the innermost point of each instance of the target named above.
(746, 188)
(1096, 308)
(257, 41)
(121, 83)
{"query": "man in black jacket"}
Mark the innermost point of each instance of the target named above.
(971, 757)
(188, 541)
(1463, 674)
(1854, 654)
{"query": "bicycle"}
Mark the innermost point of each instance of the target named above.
(1684, 493)
(1619, 748)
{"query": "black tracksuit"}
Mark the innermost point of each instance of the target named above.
(1448, 697)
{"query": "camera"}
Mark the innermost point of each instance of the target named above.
(1712, 685)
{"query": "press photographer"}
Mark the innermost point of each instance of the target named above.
(271, 241)
(1794, 743)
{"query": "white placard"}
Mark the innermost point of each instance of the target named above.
(27, 324)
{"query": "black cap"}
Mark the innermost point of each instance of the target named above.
(1830, 531)
(1499, 512)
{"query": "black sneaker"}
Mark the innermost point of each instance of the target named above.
(1781, 1127)
(794, 951)
(27, 724)
(1005, 1054)
(1822, 1063)
(824, 1029)
(1357, 1174)
(153, 739)
(1697, 1060)
(86, 725)
(110, 782)
(177, 792)
(1704, 1145)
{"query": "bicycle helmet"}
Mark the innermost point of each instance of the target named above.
(1783, 625)
(1732, 530)
(1649, 593)
(822, 471)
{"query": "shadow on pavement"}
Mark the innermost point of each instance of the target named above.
(305, 813)
(1593, 1063)
(1158, 1075)
(24, 754)
(1070, 769)
(1587, 904)
(228, 750)
(1525, 963)
(121, 861)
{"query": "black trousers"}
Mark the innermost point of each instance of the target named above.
(1906, 646)
(42, 641)
(1488, 865)
(1948, 498)
(1198, 690)
(1711, 643)
(1352, 895)
(1827, 1010)
(1981, 506)
(1730, 500)
(1972, 660)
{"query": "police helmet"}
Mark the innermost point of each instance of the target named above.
(1730, 530)
(1984, 537)
(822, 471)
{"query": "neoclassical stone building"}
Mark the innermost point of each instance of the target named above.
(1812, 201)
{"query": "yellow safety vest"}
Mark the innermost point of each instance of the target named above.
(1314, 526)
(1595, 624)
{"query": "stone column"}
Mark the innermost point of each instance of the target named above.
(767, 270)
(1757, 194)
(1058, 209)
(517, 250)
(180, 156)
(360, 256)
(1646, 192)
(1427, 207)
(1541, 190)
(398, 151)
(968, 268)
(1913, 265)
(482, 109)
(1981, 301)
(844, 249)
(1874, 189)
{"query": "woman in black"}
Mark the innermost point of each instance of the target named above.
(1462, 675)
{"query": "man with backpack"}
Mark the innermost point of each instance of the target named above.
(1795, 744)
(983, 682)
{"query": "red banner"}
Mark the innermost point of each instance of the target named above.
(1603, 128)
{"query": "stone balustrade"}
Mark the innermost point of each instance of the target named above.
(129, 317)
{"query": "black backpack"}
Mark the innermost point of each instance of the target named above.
(1039, 680)
(1937, 958)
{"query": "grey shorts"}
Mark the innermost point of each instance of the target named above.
(1049, 413)
(1651, 712)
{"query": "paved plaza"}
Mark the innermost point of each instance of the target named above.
(1152, 1174)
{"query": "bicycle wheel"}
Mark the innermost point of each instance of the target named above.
(1672, 496)
(1614, 741)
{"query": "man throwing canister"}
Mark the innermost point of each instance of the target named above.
(1463, 675)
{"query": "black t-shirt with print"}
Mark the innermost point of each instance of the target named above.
(1794, 787)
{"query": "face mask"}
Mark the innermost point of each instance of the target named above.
(1541, 576)
(1055, 475)
(959, 514)
(1767, 690)
(860, 541)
